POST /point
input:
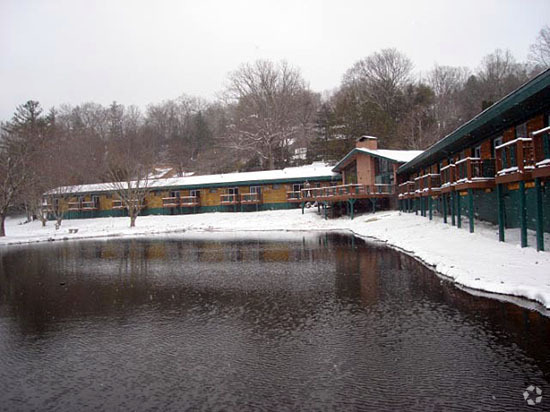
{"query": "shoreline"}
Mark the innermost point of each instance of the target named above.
(475, 269)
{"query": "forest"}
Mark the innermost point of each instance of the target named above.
(266, 117)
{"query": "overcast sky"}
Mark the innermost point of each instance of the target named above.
(140, 52)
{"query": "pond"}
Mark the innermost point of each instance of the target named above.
(256, 322)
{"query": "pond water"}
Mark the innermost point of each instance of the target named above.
(287, 322)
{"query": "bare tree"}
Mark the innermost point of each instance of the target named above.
(539, 52)
(130, 163)
(265, 100)
(447, 82)
(381, 77)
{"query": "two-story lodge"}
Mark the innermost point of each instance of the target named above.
(495, 167)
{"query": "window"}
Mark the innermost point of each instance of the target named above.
(255, 189)
(175, 193)
(521, 130)
(276, 186)
(477, 151)
(497, 141)
(233, 191)
(195, 193)
(212, 190)
(95, 200)
(296, 187)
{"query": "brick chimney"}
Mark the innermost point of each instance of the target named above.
(367, 142)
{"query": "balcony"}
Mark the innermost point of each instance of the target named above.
(229, 199)
(294, 196)
(429, 184)
(170, 202)
(190, 201)
(515, 160)
(90, 205)
(251, 198)
(406, 190)
(475, 173)
(345, 192)
(180, 201)
(541, 141)
(117, 204)
(448, 178)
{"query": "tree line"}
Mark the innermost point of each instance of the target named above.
(267, 117)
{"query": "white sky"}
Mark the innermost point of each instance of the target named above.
(140, 52)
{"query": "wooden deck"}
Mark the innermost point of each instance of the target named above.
(341, 193)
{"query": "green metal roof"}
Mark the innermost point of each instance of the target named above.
(517, 106)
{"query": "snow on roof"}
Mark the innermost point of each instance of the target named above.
(312, 171)
(397, 155)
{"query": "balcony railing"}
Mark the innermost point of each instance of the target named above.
(405, 189)
(170, 201)
(251, 198)
(474, 168)
(117, 204)
(293, 196)
(190, 201)
(229, 199)
(541, 139)
(90, 205)
(515, 157)
(448, 176)
(73, 206)
(350, 190)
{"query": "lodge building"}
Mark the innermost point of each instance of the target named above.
(495, 167)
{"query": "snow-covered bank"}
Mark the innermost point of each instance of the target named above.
(476, 260)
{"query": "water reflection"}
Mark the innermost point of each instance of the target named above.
(304, 322)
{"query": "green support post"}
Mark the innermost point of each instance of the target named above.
(351, 203)
(458, 211)
(303, 207)
(444, 208)
(471, 209)
(539, 220)
(373, 205)
(500, 211)
(430, 206)
(319, 207)
(452, 199)
(325, 207)
(416, 206)
(522, 214)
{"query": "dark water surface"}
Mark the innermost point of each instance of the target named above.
(300, 322)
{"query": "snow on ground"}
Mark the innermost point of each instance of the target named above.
(475, 260)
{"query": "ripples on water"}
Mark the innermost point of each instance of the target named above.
(308, 322)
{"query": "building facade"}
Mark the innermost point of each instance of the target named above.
(495, 167)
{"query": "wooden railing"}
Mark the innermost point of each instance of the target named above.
(170, 201)
(541, 141)
(293, 196)
(251, 198)
(405, 189)
(90, 205)
(74, 206)
(448, 174)
(349, 190)
(190, 201)
(430, 183)
(229, 199)
(180, 201)
(516, 156)
(474, 168)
